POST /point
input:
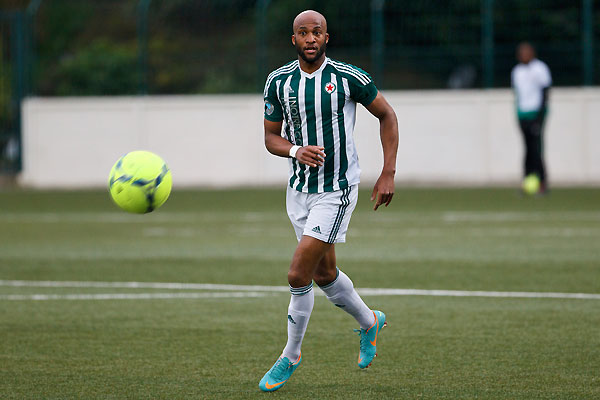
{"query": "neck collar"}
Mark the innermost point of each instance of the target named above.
(312, 74)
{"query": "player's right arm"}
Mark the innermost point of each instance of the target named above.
(310, 155)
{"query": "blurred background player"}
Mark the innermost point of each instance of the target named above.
(316, 97)
(531, 81)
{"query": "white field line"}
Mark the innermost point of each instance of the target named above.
(132, 296)
(145, 285)
(284, 289)
(476, 293)
(191, 217)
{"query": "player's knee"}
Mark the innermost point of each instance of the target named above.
(297, 279)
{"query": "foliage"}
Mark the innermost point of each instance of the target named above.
(213, 46)
(100, 68)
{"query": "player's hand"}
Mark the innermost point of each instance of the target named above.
(312, 156)
(383, 190)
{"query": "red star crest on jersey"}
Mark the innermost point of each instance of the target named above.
(330, 87)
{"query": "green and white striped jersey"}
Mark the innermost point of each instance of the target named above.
(320, 109)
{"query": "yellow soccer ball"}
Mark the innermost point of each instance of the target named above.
(140, 182)
(531, 184)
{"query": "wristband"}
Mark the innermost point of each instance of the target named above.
(293, 151)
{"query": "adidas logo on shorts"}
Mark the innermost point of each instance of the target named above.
(317, 229)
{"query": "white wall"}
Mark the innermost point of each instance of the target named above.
(447, 137)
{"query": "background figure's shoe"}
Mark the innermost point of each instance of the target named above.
(544, 191)
(279, 373)
(368, 340)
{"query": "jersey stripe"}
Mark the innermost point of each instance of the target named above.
(289, 126)
(352, 70)
(279, 92)
(280, 71)
(311, 130)
(305, 171)
(343, 181)
(350, 66)
(349, 120)
(364, 79)
(327, 132)
(286, 69)
(294, 105)
(282, 91)
(335, 125)
(319, 126)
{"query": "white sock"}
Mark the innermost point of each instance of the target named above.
(301, 305)
(341, 293)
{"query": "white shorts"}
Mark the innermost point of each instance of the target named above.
(324, 216)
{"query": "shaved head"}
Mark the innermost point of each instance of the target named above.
(310, 38)
(310, 17)
(525, 52)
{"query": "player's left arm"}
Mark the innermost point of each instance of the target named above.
(545, 82)
(544, 105)
(388, 131)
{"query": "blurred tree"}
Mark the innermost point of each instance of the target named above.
(100, 68)
(210, 46)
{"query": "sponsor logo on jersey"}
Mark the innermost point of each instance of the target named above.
(330, 87)
(269, 108)
(294, 112)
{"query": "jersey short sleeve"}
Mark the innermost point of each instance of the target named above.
(273, 111)
(362, 88)
(544, 77)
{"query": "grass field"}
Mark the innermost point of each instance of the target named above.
(115, 342)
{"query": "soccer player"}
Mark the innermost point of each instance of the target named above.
(314, 99)
(531, 81)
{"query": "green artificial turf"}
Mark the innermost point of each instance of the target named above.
(219, 348)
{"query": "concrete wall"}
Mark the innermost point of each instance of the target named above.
(446, 137)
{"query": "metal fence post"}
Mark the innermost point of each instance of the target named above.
(261, 45)
(30, 50)
(377, 40)
(487, 42)
(142, 36)
(18, 79)
(587, 42)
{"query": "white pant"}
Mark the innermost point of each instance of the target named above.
(324, 216)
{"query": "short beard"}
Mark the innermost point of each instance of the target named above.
(316, 56)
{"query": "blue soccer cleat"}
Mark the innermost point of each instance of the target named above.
(278, 375)
(368, 340)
